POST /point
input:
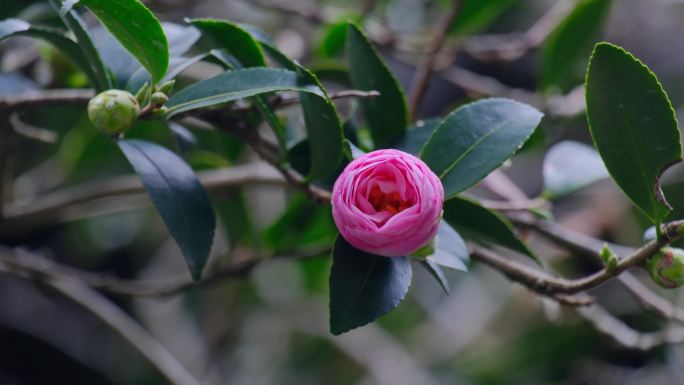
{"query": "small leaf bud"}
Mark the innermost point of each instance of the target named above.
(166, 87)
(159, 98)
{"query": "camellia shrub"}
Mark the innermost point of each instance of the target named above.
(404, 193)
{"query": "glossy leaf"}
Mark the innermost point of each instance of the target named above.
(136, 28)
(569, 166)
(475, 139)
(417, 135)
(180, 199)
(633, 126)
(233, 38)
(364, 287)
(475, 221)
(323, 126)
(235, 85)
(567, 47)
(386, 115)
(16, 27)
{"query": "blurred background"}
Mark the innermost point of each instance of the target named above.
(268, 324)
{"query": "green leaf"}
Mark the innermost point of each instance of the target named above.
(565, 50)
(475, 15)
(332, 42)
(633, 126)
(475, 139)
(235, 85)
(137, 29)
(437, 273)
(569, 166)
(16, 27)
(450, 249)
(180, 199)
(386, 115)
(363, 286)
(475, 221)
(416, 136)
(234, 39)
(85, 42)
(323, 126)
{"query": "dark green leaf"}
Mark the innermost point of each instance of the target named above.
(475, 139)
(235, 85)
(85, 42)
(476, 221)
(437, 273)
(566, 48)
(323, 126)
(478, 14)
(416, 136)
(178, 196)
(231, 37)
(569, 166)
(386, 114)
(16, 27)
(137, 29)
(633, 126)
(364, 287)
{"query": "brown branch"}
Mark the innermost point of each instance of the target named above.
(512, 46)
(585, 245)
(624, 335)
(546, 284)
(49, 208)
(45, 98)
(422, 75)
(42, 98)
(35, 266)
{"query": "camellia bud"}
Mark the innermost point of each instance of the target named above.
(667, 267)
(113, 111)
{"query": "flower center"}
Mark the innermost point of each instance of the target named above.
(390, 202)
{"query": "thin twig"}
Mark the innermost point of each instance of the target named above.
(546, 284)
(122, 324)
(424, 70)
(612, 327)
(42, 98)
(38, 267)
(512, 46)
(588, 246)
(48, 208)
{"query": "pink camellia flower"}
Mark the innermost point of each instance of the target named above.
(387, 202)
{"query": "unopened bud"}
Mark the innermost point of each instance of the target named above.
(159, 98)
(113, 111)
(667, 267)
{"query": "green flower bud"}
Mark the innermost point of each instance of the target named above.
(159, 98)
(113, 111)
(667, 267)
